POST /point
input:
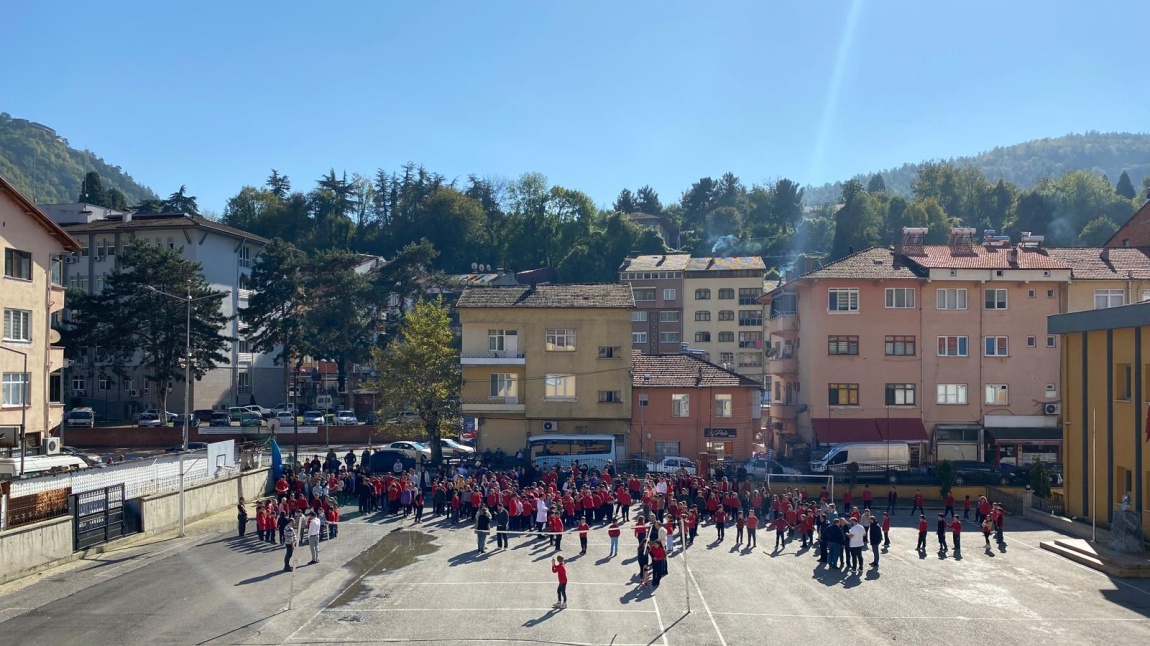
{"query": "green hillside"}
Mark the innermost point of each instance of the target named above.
(45, 168)
(1027, 163)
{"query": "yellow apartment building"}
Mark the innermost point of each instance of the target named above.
(722, 314)
(31, 297)
(546, 359)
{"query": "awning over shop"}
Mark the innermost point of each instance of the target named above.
(1025, 434)
(868, 429)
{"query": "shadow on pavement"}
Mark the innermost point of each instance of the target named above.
(262, 577)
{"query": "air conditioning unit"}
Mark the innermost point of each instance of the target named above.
(51, 445)
(550, 427)
(133, 393)
(71, 258)
(1051, 409)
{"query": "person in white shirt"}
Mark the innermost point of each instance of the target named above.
(313, 526)
(857, 537)
(540, 514)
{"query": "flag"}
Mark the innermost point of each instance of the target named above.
(277, 461)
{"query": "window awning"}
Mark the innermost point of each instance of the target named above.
(868, 429)
(1025, 434)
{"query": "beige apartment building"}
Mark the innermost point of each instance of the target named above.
(32, 297)
(723, 315)
(546, 359)
(944, 346)
(657, 282)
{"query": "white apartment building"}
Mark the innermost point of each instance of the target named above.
(226, 256)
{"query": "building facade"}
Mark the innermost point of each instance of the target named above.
(683, 405)
(940, 345)
(1106, 384)
(546, 359)
(32, 298)
(657, 283)
(723, 315)
(226, 256)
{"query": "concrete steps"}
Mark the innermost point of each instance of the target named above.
(1124, 566)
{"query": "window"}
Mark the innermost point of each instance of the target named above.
(900, 346)
(1104, 298)
(1031, 342)
(1123, 382)
(703, 315)
(951, 299)
(843, 394)
(702, 337)
(639, 316)
(842, 345)
(1051, 341)
(610, 397)
(15, 389)
(843, 299)
(668, 337)
(1050, 293)
(702, 294)
(498, 340)
(1030, 293)
(79, 383)
(57, 271)
(504, 386)
(669, 317)
(643, 402)
(644, 294)
(996, 346)
(900, 394)
(17, 325)
(243, 346)
(726, 357)
(750, 359)
(751, 318)
(243, 382)
(726, 294)
(726, 315)
(665, 449)
(952, 346)
(750, 339)
(55, 388)
(1145, 296)
(105, 384)
(996, 299)
(559, 388)
(669, 294)
(610, 352)
(952, 393)
(84, 250)
(900, 297)
(17, 264)
(726, 337)
(638, 338)
(749, 295)
(245, 254)
(560, 340)
(680, 405)
(723, 406)
(997, 394)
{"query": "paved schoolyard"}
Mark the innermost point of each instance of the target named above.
(427, 585)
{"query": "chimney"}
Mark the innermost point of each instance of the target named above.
(1106, 255)
(662, 259)
(683, 346)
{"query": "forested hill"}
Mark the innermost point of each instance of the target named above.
(1027, 163)
(45, 168)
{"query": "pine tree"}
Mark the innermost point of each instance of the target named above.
(1125, 187)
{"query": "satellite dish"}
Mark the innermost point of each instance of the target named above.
(54, 336)
(474, 266)
(488, 267)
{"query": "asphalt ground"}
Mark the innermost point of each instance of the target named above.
(388, 581)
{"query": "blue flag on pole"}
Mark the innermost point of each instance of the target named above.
(277, 461)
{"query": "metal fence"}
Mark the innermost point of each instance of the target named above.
(1010, 501)
(140, 478)
(25, 510)
(1055, 505)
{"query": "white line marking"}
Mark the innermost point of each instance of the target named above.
(659, 616)
(471, 640)
(905, 618)
(706, 606)
(1066, 560)
(142, 560)
(334, 597)
(618, 610)
(489, 583)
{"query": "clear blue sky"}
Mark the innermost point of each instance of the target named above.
(597, 95)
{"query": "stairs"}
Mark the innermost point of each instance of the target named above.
(1125, 566)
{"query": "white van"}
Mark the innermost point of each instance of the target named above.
(324, 402)
(33, 464)
(870, 456)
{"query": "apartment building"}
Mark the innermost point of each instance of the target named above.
(683, 405)
(226, 256)
(657, 282)
(941, 345)
(723, 315)
(32, 296)
(546, 359)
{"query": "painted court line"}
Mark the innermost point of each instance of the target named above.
(325, 606)
(659, 616)
(470, 640)
(614, 610)
(490, 583)
(706, 606)
(914, 618)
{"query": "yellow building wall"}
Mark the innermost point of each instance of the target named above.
(1080, 293)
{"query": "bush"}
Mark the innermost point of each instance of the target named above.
(944, 471)
(1040, 480)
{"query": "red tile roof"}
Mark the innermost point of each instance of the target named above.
(683, 371)
(1120, 263)
(981, 257)
(868, 264)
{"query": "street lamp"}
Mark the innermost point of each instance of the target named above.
(643, 415)
(189, 300)
(24, 379)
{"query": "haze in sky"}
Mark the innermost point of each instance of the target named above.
(598, 95)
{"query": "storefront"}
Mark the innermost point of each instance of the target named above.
(1023, 446)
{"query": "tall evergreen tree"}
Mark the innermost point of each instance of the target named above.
(647, 201)
(876, 184)
(1125, 187)
(626, 203)
(275, 308)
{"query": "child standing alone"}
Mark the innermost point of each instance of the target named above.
(560, 569)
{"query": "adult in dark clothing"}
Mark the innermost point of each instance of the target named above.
(482, 527)
(502, 518)
(823, 525)
(891, 500)
(941, 528)
(833, 537)
(875, 532)
(242, 517)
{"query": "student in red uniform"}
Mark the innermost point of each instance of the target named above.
(922, 527)
(333, 522)
(752, 524)
(918, 500)
(658, 563)
(956, 534)
(559, 568)
(555, 526)
(720, 524)
(583, 527)
(966, 508)
(867, 496)
(613, 533)
(740, 522)
(886, 529)
(949, 508)
(640, 530)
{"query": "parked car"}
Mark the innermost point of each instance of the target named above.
(84, 417)
(287, 408)
(453, 449)
(672, 464)
(285, 418)
(92, 459)
(406, 417)
(149, 419)
(249, 419)
(204, 415)
(313, 418)
(759, 468)
(346, 418)
(192, 446)
(875, 459)
(237, 413)
(383, 461)
(411, 449)
(1022, 473)
(220, 418)
(975, 472)
(265, 413)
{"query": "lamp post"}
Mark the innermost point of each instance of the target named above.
(24, 379)
(189, 300)
(643, 415)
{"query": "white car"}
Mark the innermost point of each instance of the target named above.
(672, 465)
(406, 417)
(453, 449)
(313, 417)
(345, 418)
(265, 413)
(285, 418)
(759, 468)
(411, 449)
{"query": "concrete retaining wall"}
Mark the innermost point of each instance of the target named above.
(161, 512)
(31, 548)
(123, 437)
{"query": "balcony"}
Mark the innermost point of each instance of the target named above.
(243, 357)
(493, 358)
(492, 405)
(785, 412)
(784, 363)
(784, 325)
(244, 294)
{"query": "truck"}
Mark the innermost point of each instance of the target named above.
(874, 458)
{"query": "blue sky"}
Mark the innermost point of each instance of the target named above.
(596, 95)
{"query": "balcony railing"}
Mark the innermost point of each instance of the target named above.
(493, 357)
(492, 404)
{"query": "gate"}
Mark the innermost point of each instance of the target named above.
(1011, 501)
(97, 516)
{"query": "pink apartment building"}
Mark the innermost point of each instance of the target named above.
(944, 346)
